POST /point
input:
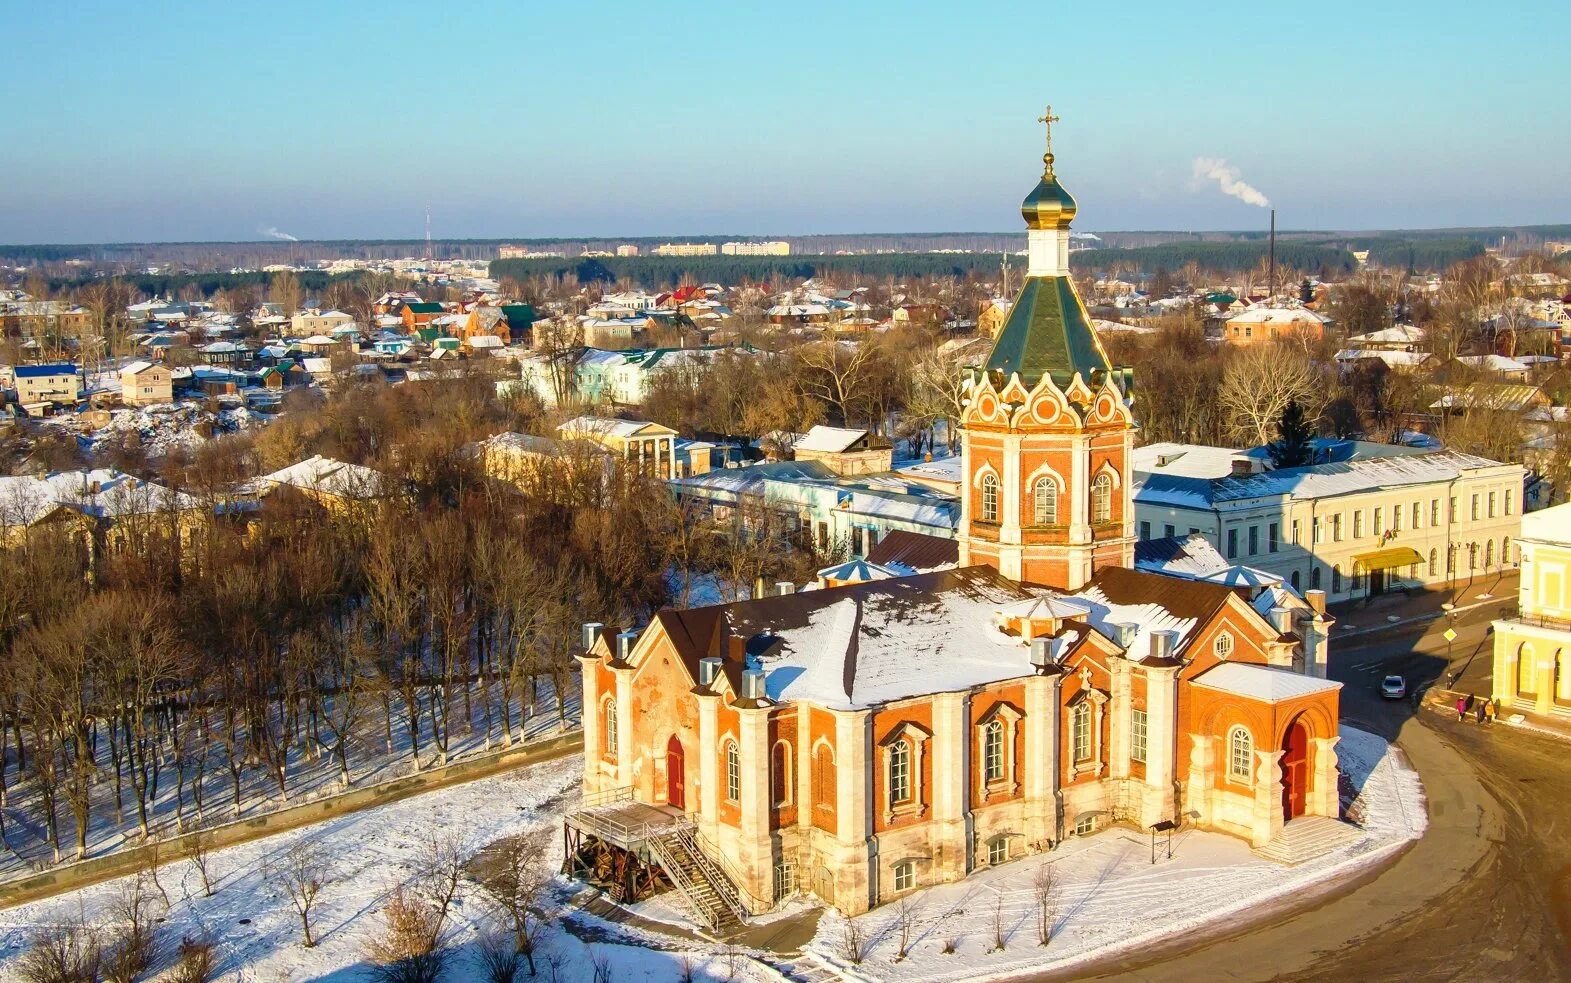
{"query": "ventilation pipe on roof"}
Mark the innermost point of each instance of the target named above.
(1124, 634)
(1163, 643)
(592, 630)
(1041, 653)
(1317, 600)
(753, 684)
(624, 644)
(708, 669)
(758, 587)
(1282, 618)
(785, 587)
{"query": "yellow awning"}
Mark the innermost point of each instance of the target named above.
(1387, 559)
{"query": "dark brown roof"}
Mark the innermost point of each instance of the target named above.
(695, 632)
(916, 550)
(1183, 598)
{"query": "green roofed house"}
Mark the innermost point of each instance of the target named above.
(520, 320)
(418, 315)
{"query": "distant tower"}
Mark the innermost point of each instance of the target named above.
(1046, 433)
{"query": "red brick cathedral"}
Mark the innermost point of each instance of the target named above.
(860, 740)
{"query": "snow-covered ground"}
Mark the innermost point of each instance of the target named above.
(1110, 897)
(312, 775)
(258, 934)
(166, 427)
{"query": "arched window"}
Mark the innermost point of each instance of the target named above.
(899, 772)
(1080, 731)
(1505, 552)
(823, 777)
(611, 739)
(780, 773)
(1489, 554)
(1434, 556)
(1526, 670)
(733, 773)
(1045, 500)
(993, 751)
(1336, 580)
(989, 497)
(1102, 498)
(1314, 578)
(1296, 581)
(1240, 755)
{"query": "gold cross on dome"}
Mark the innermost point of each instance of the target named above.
(1048, 119)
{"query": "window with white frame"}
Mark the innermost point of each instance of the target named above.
(905, 875)
(900, 772)
(1080, 731)
(1223, 646)
(1240, 755)
(993, 751)
(998, 851)
(1085, 825)
(733, 772)
(1137, 736)
(611, 738)
(989, 497)
(1509, 497)
(1102, 498)
(1045, 502)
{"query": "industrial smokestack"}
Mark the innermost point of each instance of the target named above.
(1273, 254)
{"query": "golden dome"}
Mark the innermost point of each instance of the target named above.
(1048, 206)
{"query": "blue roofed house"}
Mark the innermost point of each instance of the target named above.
(42, 388)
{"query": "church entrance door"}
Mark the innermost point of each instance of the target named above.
(675, 776)
(1295, 770)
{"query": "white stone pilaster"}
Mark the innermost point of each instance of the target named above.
(1268, 798)
(624, 728)
(589, 716)
(952, 781)
(1119, 708)
(709, 767)
(1324, 798)
(1202, 777)
(1161, 741)
(1041, 761)
(854, 777)
(755, 847)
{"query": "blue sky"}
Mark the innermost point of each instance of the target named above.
(178, 121)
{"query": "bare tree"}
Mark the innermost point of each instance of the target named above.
(1043, 891)
(1258, 384)
(515, 874)
(198, 848)
(404, 951)
(303, 873)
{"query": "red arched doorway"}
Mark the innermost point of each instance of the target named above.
(675, 776)
(1295, 770)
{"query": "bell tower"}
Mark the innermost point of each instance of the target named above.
(1046, 432)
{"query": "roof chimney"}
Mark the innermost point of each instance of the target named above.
(1242, 467)
(753, 684)
(1317, 600)
(708, 669)
(1282, 618)
(1041, 652)
(624, 644)
(1163, 643)
(592, 630)
(785, 587)
(1124, 634)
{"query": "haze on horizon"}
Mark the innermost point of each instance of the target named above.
(185, 121)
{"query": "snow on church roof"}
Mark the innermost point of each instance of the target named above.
(1264, 683)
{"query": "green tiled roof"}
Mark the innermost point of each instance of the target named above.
(425, 308)
(519, 316)
(1048, 333)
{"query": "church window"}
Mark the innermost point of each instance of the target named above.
(611, 738)
(1240, 755)
(1045, 500)
(989, 498)
(900, 772)
(780, 773)
(998, 851)
(1223, 645)
(823, 777)
(993, 751)
(1137, 736)
(905, 875)
(1102, 499)
(1080, 731)
(733, 773)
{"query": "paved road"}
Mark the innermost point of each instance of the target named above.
(1484, 895)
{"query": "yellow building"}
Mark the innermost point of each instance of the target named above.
(1532, 669)
(146, 384)
(648, 446)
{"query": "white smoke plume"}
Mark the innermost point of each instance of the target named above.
(273, 233)
(1226, 175)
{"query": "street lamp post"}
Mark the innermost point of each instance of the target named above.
(1450, 610)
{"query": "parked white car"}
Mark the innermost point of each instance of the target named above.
(1393, 687)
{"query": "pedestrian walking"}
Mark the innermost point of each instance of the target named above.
(1489, 711)
(1480, 716)
(1461, 708)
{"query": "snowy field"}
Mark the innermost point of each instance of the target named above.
(1109, 896)
(258, 934)
(311, 775)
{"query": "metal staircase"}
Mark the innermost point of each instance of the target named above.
(707, 890)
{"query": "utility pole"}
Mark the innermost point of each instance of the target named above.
(1273, 256)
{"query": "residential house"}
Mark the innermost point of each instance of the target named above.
(41, 388)
(145, 384)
